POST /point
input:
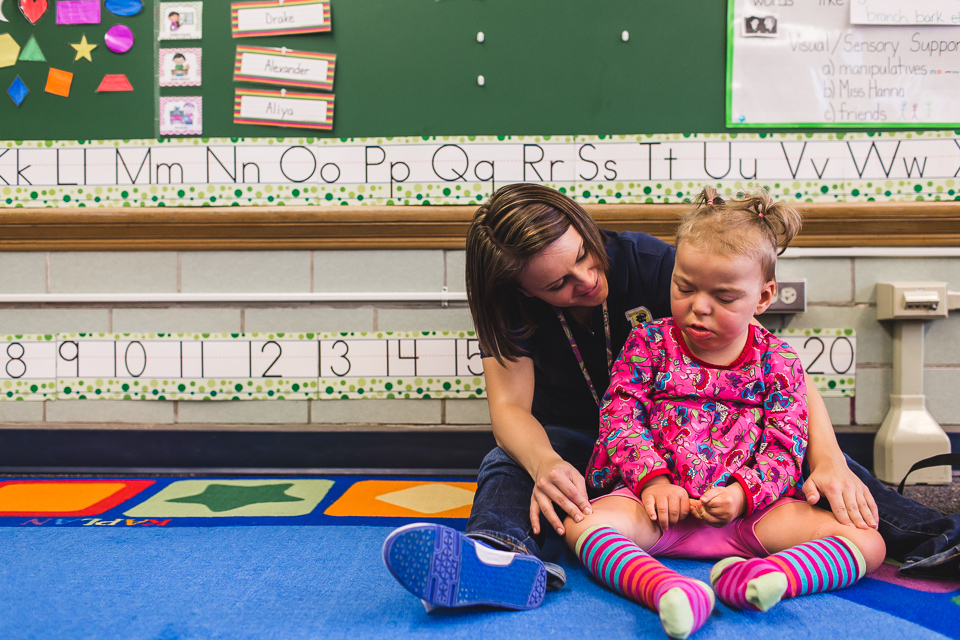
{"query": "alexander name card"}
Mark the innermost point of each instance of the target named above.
(269, 65)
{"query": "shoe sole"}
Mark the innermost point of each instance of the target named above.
(445, 568)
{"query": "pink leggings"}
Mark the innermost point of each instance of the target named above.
(695, 540)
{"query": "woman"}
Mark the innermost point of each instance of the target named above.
(553, 298)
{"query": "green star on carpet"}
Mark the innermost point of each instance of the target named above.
(222, 497)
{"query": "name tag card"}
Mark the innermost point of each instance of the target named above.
(284, 66)
(279, 17)
(283, 109)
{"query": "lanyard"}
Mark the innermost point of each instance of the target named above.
(576, 350)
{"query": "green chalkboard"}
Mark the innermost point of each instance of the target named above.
(410, 67)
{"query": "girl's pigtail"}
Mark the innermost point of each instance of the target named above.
(784, 220)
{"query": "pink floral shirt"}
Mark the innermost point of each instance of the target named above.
(702, 426)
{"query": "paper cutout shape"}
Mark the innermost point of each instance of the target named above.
(119, 38)
(125, 8)
(279, 17)
(181, 21)
(9, 50)
(180, 67)
(33, 10)
(83, 49)
(286, 67)
(18, 91)
(78, 11)
(31, 51)
(114, 82)
(3, 18)
(181, 116)
(58, 82)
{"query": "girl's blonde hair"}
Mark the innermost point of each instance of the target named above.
(752, 224)
(516, 223)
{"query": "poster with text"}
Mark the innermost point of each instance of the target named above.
(806, 65)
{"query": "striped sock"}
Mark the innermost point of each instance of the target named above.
(812, 567)
(684, 604)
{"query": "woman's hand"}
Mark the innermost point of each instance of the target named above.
(665, 502)
(850, 500)
(558, 482)
(720, 505)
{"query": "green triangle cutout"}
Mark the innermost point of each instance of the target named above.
(31, 51)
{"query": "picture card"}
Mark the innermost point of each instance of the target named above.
(279, 17)
(268, 65)
(180, 67)
(283, 108)
(181, 116)
(181, 21)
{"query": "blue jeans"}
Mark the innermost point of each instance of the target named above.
(501, 505)
(924, 540)
(927, 542)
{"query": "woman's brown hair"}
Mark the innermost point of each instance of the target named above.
(752, 224)
(516, 223)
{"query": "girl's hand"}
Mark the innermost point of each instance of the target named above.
(558, 482)
(851, 501)
(720, 505)
(665, 502)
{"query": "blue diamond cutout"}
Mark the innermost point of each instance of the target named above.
(18, 91)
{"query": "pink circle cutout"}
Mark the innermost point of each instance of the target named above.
(119, 38)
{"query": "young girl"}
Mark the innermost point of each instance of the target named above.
(702, 434)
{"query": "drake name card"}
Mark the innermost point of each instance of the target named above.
(279, 17)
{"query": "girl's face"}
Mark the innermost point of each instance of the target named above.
(713, 298)
(563, 274)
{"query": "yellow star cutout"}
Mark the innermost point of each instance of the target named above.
(83, 49)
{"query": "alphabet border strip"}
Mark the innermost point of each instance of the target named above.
(660, 168)
(284, 366)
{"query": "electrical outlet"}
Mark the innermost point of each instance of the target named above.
(911, 300)
(791, 297)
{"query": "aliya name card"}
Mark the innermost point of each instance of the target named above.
(283, 108)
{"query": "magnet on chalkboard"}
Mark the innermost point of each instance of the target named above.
(31, 51)
(119, 38)
(33, 10)
(124, 8)
(114, 82)
(18, 91)
(3, 18)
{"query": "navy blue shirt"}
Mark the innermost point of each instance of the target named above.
(640, 272)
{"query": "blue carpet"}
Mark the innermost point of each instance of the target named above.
(307, 582)
(324, 578)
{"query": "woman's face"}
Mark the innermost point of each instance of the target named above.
(564, 275)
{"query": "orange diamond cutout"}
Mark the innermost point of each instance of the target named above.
(65, 497)
(404, 498)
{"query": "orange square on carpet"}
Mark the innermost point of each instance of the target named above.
(65, 497)
(402, 498)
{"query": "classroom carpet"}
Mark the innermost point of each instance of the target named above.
(300, 557)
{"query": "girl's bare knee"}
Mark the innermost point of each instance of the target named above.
(871, 546)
